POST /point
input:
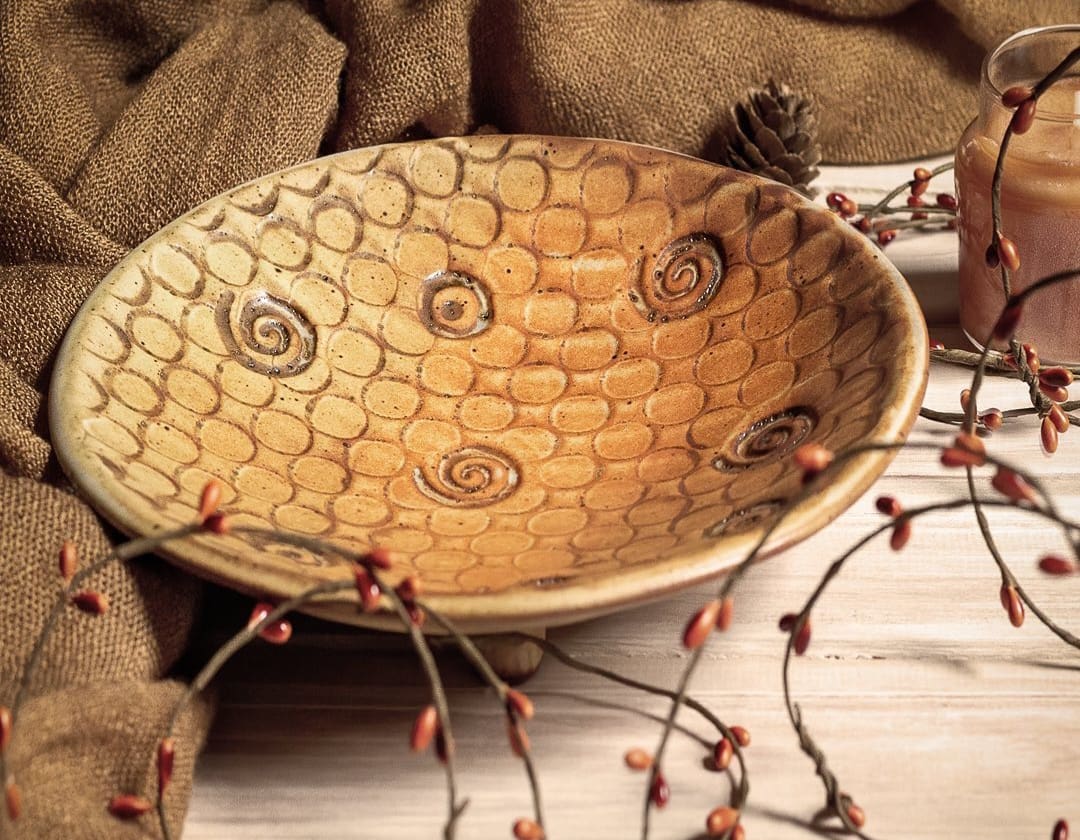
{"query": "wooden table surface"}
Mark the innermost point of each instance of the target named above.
(940, 718)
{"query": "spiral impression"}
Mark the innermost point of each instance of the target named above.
(454, 305)
(745, 519)
(471, 477)
(685, 277)
(768, 440)
(274, 339)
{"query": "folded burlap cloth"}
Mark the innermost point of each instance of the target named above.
(118, 115)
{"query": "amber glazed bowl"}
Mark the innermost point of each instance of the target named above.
(554, 377)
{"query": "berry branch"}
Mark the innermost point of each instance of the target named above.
(882, 221)
(1047, 393)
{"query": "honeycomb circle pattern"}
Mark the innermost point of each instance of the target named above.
(515, 362)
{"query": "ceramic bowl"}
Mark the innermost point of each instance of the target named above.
(552, 376)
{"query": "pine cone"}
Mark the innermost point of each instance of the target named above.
(774, 134)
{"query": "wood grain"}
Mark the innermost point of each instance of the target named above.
(940, 718)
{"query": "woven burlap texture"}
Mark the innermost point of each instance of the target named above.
(113, 119)
(118, 115)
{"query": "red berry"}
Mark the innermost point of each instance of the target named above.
(812, 457)
(13, 799)
(520, 703)
(889, 505)
(1008, 253)
(970, 443)
(1013, 486)
(379, 558)
(128, 806)
(424, 728)
(742, 735)
(409, 589)
(802, 638)
(69, 560)
(216, 523)
(526, 829)
(946, 201)
(856, 815)
(1059, 418)
(1056, 376)
(276, 632)
(209, 499)
(1031, 356)
(90, 602)
(1010, 599)
(720, 821)
(5, 727)
(700, 625)
(901, 533)
(1055, 564)
(1023, 117)
(722, 753)
(166, 756)
(366, 588)
(953, 456)
(1048, 435)
(1057, 395)
(727, 613)
(835, 199)
(1015, 95)
(659, 792)
(992, 419)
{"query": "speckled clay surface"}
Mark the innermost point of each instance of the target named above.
(552, 376)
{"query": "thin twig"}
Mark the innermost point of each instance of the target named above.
(473, 654)
(125, 551)
(906, 185)
(742, 791)
(419, 643)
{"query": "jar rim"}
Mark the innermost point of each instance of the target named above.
(1011, 41)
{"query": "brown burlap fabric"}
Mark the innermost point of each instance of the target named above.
(117, 115)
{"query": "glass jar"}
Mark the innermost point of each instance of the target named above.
(1040, 196)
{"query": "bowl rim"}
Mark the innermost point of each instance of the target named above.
(521, 606)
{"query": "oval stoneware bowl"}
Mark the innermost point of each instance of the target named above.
(553, 376)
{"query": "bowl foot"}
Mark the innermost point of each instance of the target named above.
(513, 659)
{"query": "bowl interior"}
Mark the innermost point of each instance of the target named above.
(550, 375)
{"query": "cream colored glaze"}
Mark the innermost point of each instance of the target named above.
(552, 376)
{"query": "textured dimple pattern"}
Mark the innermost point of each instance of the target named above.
(509, 361)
